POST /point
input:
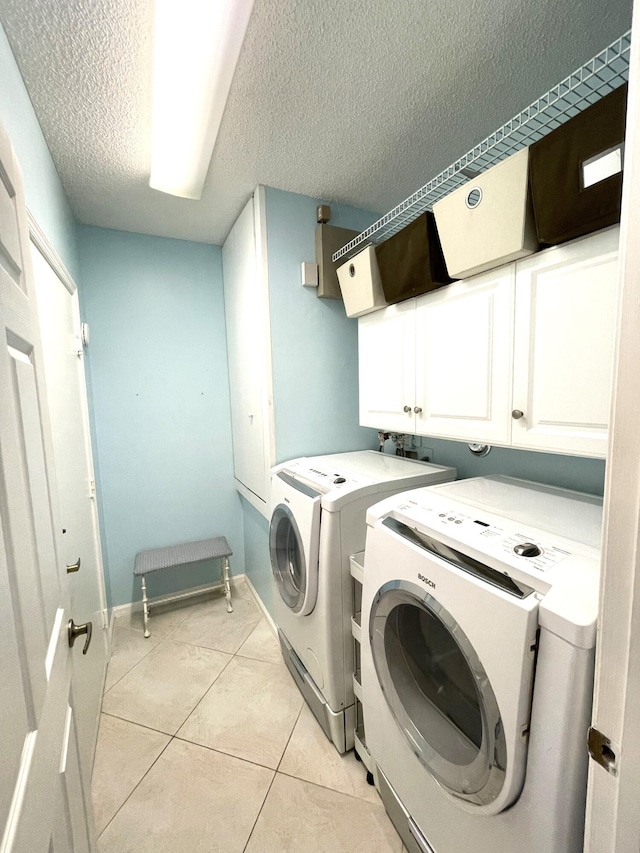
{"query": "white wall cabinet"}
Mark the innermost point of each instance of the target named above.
(535, 337)
(463, 358)
(387, 360)
(564, 346)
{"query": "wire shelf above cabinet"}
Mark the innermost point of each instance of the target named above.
(608, 70)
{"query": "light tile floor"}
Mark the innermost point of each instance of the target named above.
(205, 744)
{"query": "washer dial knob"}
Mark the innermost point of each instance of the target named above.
(527, 549)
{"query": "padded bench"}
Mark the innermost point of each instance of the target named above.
(156, 559)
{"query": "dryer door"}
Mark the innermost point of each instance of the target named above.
(294, 541)
(440, 695)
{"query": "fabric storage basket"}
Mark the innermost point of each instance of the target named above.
(576, 171)
(411, 261)
(489, 220)
(360, 284)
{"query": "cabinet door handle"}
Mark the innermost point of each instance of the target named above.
(516, 414)
(417, 409)
(406, 409)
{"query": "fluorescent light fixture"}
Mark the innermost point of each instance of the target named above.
(196, 48)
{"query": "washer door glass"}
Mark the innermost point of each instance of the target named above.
(287, 557)
(438, 691)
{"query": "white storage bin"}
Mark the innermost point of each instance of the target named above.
(360, 284)
(488, 221)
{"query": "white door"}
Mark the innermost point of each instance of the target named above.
(564, 345)
(245, 320)
(43, 804)
(59, 322)
(463, 358)
(386, 367)
(613, 816)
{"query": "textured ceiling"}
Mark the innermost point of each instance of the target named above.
(353, 101)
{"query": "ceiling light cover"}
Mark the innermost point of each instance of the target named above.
(196, 48)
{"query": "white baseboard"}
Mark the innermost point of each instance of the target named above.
(112, 622)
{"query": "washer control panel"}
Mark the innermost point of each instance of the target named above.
(513, 547)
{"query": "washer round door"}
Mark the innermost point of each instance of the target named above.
(438, 692)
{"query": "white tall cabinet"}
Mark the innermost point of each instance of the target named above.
(249, 351)
(520, 356)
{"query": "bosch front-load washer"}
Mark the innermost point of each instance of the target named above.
(480, 602)
(317, 521)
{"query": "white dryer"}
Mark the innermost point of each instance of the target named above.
(317, 521)
(479, 615)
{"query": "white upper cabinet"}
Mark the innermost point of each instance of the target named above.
(564, 346)
(463, 358)
(520, 356)
(387, 359)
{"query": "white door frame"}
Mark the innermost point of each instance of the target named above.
(613, 813)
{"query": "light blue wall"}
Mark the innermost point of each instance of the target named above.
(161, 401)
(570, 472)
(45, 197)
(314, 345)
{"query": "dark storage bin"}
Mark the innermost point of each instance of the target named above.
(411, 262)
(567, 200)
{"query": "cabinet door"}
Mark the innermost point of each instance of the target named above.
(386, 365)
(245, 319)
(564, 346)
(464, 354)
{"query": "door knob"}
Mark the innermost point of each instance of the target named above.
(406, 408)
(76, 631)
(417, 409)
(516, 414)
(74, 567)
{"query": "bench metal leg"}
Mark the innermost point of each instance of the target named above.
(227, 585)
(145, 607)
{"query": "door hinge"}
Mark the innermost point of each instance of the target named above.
(92, 488)
(603, 751)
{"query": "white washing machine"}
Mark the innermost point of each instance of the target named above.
(318, 520)
(479, 613)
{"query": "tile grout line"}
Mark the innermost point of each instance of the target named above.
(124, 674)
(335, 790)
(134, 723)
(137, 785)
(273, 779)
(222, 752)
(201, 699)
(291, 735)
